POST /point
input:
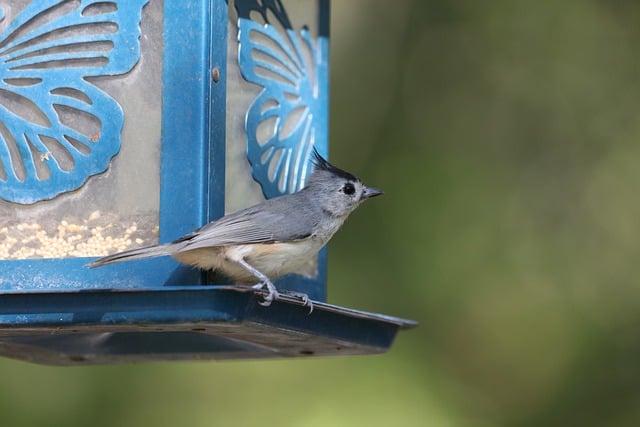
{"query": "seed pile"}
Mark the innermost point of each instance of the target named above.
(98, 235)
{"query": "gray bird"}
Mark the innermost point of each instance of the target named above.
(270, 239)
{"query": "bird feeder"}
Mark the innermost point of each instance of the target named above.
(125, 123)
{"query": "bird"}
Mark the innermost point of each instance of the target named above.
(270, 239)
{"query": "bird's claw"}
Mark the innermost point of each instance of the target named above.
(306, 301)
(271, 296)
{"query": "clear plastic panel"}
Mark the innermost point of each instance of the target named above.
(112, 210)
(241, 189)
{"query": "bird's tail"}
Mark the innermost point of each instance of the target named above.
(131, 254)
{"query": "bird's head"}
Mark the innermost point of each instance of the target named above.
(338, 191)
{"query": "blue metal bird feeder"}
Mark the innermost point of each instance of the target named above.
(126, 123)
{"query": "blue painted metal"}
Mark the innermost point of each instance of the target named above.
(34, 66)
(217, 108)
(187, 165)
(69, 274)
(290, 115)
(181, 323)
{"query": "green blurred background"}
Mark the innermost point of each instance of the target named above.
(505, 135)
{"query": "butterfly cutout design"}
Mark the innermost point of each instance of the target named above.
(289, 116)
(57, 128)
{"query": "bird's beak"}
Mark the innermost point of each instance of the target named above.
(370, 192)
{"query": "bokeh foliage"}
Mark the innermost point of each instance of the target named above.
(505, 135)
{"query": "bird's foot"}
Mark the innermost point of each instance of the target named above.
(271, 296)
(306, 301)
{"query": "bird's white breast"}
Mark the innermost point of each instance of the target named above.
(271, 259)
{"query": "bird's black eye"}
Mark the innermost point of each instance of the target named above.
(349, 189)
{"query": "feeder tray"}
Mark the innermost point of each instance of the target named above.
(182, 323)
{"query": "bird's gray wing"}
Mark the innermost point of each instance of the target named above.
(275, 220)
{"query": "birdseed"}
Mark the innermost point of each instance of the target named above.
(99, 234)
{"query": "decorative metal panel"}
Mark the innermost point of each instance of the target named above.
(289, 116)
(56, 127)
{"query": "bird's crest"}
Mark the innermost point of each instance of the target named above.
(320, 163)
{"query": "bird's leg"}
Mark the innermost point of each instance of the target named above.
(264, 282)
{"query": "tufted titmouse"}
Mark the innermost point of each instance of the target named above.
(270, 239)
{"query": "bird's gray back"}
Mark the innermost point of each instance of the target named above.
(281, 219)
